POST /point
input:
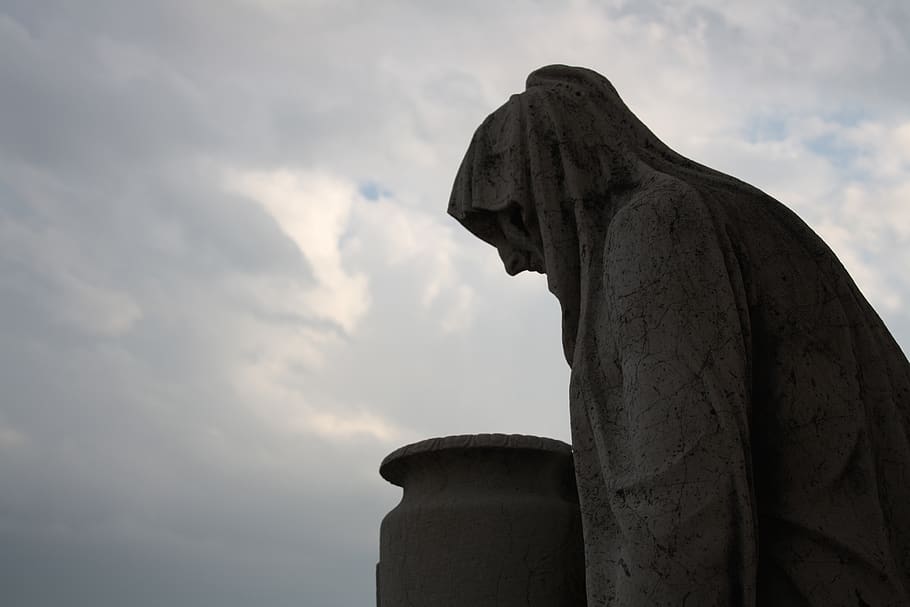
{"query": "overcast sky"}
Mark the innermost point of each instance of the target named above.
(229, 286)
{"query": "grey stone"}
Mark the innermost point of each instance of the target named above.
(486, 520)
(739, 411)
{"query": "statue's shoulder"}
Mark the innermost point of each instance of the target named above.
(659, 206)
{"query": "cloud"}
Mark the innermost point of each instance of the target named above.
(401, 236)
(313, 211)
(10, 438)
(81, 105)
(364, 423)
(82, 303)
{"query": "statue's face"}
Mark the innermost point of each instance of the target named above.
(518, 260)
(520, 248)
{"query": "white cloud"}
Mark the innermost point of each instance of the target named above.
(872, 281)
(95, 309)
(361, 423)
(313, 209)
(460, 313)
(267, 384)
(79, 295)
(408, 237)
(885, 148)
(10, 438)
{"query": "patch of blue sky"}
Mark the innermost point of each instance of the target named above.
(372, 191)
(765, 127)
(771, 126)
(835, 149)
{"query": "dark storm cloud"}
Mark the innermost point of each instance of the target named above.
(128, 481)
(67, 109)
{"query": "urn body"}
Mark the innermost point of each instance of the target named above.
(485, 520)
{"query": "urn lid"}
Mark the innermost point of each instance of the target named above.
(393, 466)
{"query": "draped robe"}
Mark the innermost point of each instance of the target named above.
(739, 412)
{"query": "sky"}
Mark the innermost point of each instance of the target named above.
(229, 286)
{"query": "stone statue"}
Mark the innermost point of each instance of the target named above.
(740, 414)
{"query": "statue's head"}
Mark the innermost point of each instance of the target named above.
(543, 174)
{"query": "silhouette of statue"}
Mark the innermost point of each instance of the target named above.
(739, 411)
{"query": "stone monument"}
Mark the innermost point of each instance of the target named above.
(740, 414)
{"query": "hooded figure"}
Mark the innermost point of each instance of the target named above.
(740, 414)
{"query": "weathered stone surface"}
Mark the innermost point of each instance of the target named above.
(739, 411)
(487, 520)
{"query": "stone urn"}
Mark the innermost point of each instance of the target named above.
(485, 520)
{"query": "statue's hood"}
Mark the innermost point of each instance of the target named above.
(543, 173)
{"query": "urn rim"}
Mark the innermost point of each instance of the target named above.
(391, 468)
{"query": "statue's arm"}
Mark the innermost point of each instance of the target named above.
(684, 502)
